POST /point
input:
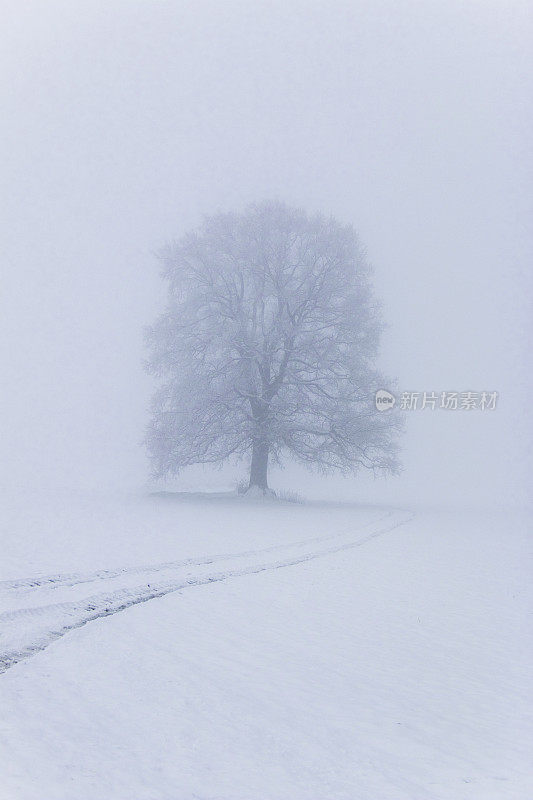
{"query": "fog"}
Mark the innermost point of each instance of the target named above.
(124, 122)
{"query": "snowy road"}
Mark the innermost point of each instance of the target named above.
(27, 629)
(390, 660)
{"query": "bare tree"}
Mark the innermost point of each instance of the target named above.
(266, 346)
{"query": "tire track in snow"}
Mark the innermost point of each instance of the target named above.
(58, 619)
(60, 580)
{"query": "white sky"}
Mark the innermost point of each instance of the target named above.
(124, 121)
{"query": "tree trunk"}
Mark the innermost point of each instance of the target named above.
(259, 466)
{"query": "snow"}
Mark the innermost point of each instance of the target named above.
(300, 652)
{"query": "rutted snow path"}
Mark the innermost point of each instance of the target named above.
(396, 668)
(26, 630)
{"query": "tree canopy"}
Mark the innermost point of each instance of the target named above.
(267, 347)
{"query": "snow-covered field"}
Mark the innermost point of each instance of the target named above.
(175, 648)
